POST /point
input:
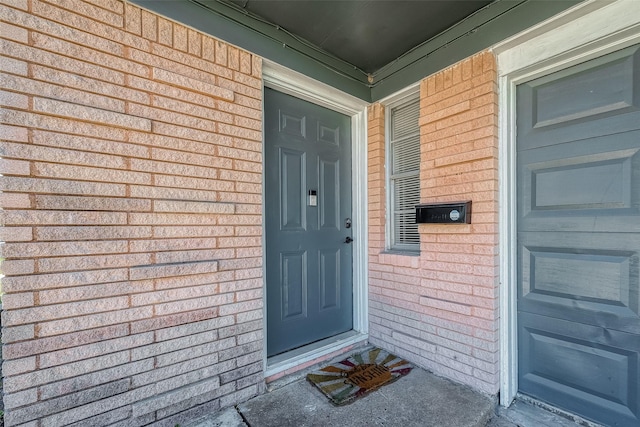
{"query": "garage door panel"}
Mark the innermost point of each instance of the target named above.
(585, 100)
(555, 271)
(618, 124)
(612, 317)
(619, 222)
(584, 282)
(596, 184)
(615, 145)
(581, 368)
(587, 177)
(593, 93)
(582, 241)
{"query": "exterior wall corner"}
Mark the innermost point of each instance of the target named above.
(440, 309)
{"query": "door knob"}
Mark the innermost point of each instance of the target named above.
(348, 240)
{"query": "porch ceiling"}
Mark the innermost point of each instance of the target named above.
(366, 48)
(367, 34)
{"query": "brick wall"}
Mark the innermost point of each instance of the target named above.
(131, 154)
(440, 309)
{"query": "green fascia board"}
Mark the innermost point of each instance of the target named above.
(500, 20)
(461, 29)
(496, 22)
(239, 29)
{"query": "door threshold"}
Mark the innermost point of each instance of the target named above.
(527, 411)
(302, 357)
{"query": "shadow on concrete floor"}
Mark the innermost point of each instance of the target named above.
(419, 399)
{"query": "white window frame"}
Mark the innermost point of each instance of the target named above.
(408, 95)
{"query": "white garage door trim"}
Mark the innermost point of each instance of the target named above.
(589, 30)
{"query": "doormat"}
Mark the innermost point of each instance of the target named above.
(344, 381)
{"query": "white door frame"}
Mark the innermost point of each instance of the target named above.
(285, 80)
(586, 31)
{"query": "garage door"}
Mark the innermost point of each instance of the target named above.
(578, 159)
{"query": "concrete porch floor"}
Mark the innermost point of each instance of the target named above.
(418, 399)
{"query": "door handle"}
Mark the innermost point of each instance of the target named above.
(348, 240)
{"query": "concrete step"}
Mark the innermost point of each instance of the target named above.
(418, 399)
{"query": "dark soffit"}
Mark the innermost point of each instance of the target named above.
(490, 24)
(365, 33)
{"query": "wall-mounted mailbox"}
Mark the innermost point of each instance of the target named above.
(444, 213)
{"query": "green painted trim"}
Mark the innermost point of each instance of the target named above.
(500, 20)
(470, 24)
(235, 27)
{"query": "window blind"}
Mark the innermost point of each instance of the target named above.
(404, 178)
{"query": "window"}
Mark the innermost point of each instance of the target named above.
(403, 174)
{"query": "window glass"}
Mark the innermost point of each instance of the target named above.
(404, 175)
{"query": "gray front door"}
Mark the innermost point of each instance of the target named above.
(578, 160)
(308, 214)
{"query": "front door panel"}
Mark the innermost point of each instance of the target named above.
(578, 157)
(307, 203)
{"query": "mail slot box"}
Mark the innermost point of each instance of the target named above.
(444, 213)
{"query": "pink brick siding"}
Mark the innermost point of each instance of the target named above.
(440, 309)
(131, 153)
(132, 161)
